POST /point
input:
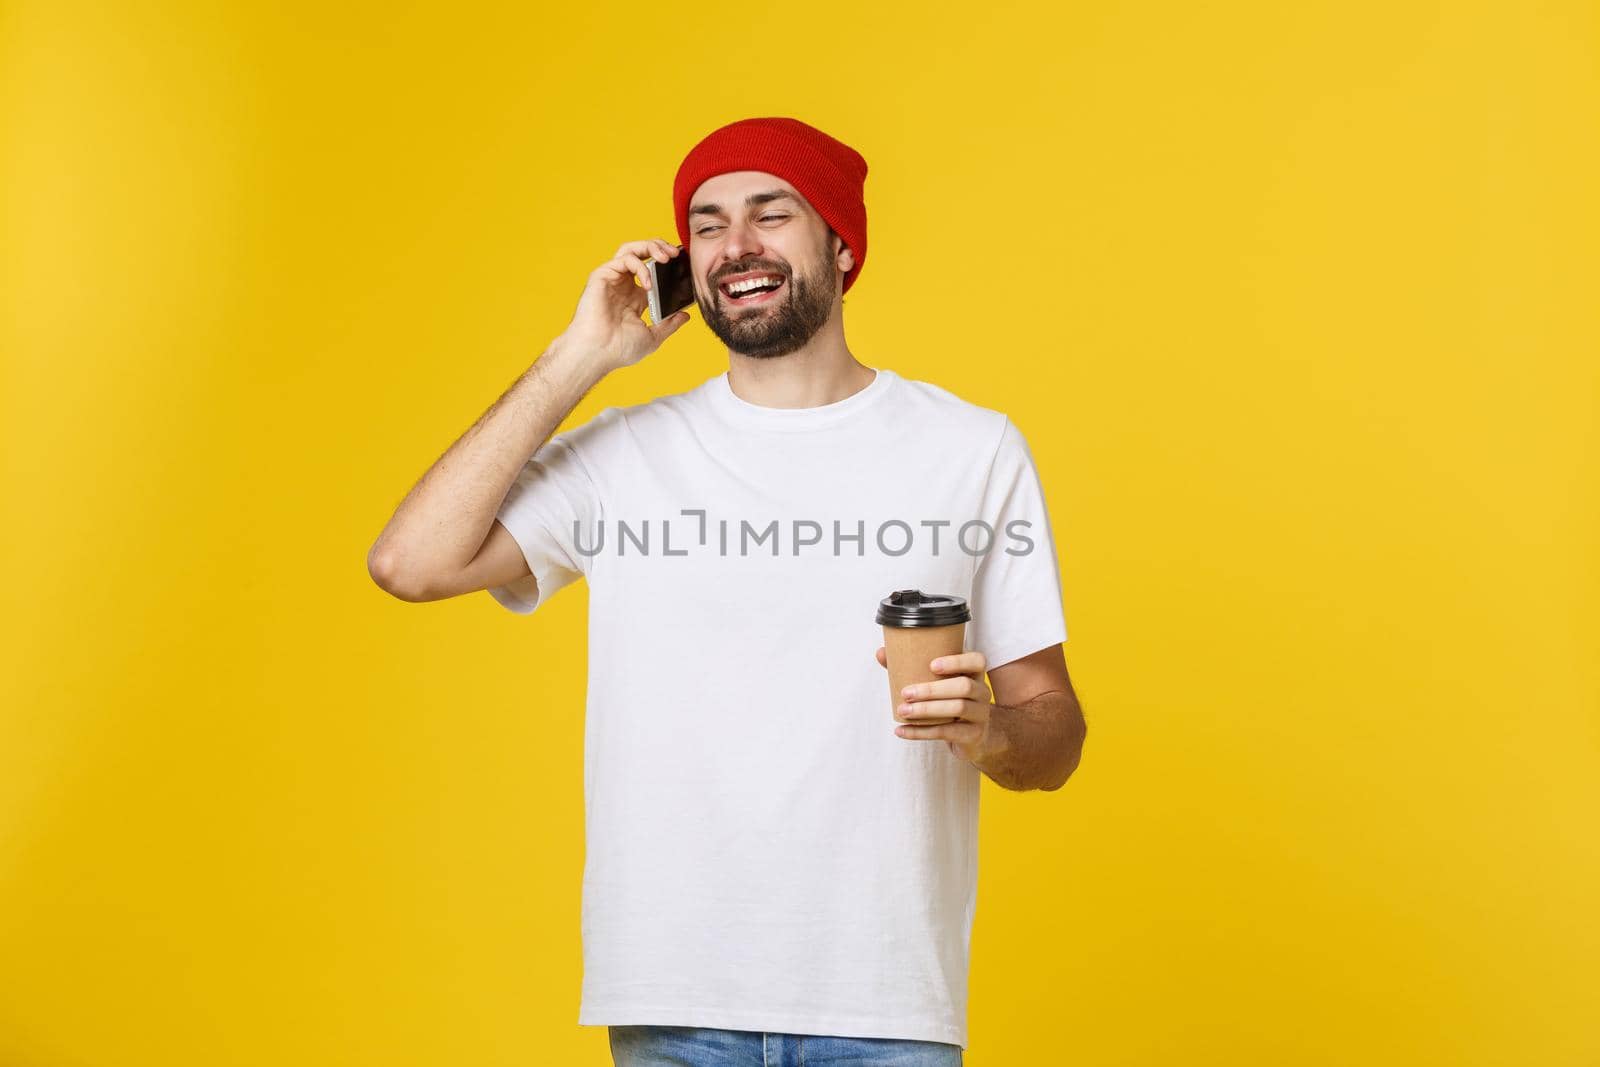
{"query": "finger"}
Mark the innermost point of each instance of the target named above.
(669, 325)
(667, 250)
(635, 264)
(610, 271)
(962, 663)
(619, 272)
(959, 686)
(930, 709)
(636, 248)
(882, 662)
(958, 732)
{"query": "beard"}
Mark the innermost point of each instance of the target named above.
(777, 327)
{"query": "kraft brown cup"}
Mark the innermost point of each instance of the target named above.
(918, 628)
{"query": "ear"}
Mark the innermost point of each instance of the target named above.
(844, 256)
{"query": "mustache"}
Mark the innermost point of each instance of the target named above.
(749, 268)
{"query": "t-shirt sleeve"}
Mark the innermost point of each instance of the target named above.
(552, 511)
(1016, 588)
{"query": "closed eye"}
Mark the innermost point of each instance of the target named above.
(764, 218)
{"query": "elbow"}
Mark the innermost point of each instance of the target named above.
(1056, 783)
(1074, 755)
(387, 574)
(1062, 779)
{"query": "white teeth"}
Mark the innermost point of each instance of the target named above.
(745, 286)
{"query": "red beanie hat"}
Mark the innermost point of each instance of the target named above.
(828, 173)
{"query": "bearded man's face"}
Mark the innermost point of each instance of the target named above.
(754, 231)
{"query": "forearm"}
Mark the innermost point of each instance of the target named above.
(442, 523)
(1035, 745)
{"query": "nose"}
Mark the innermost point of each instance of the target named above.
(740, 242)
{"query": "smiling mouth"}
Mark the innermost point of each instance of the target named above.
(755, 295)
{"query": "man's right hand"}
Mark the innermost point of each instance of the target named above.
(607, 322)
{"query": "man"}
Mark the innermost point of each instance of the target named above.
(780, 867)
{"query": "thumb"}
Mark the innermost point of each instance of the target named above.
(669, 325)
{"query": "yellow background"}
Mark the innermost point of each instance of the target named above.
(1294, 302)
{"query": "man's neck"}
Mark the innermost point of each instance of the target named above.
(822, 372)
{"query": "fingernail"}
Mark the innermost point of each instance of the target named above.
(938, 664)
(909, 691)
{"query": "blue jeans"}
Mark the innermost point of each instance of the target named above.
(695, 1046)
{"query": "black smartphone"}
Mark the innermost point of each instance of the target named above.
(671, 287)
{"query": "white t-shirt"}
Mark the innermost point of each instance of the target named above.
(763, 853)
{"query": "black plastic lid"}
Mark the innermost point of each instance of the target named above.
(913, 607)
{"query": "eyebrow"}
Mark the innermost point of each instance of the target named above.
(753, 200)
